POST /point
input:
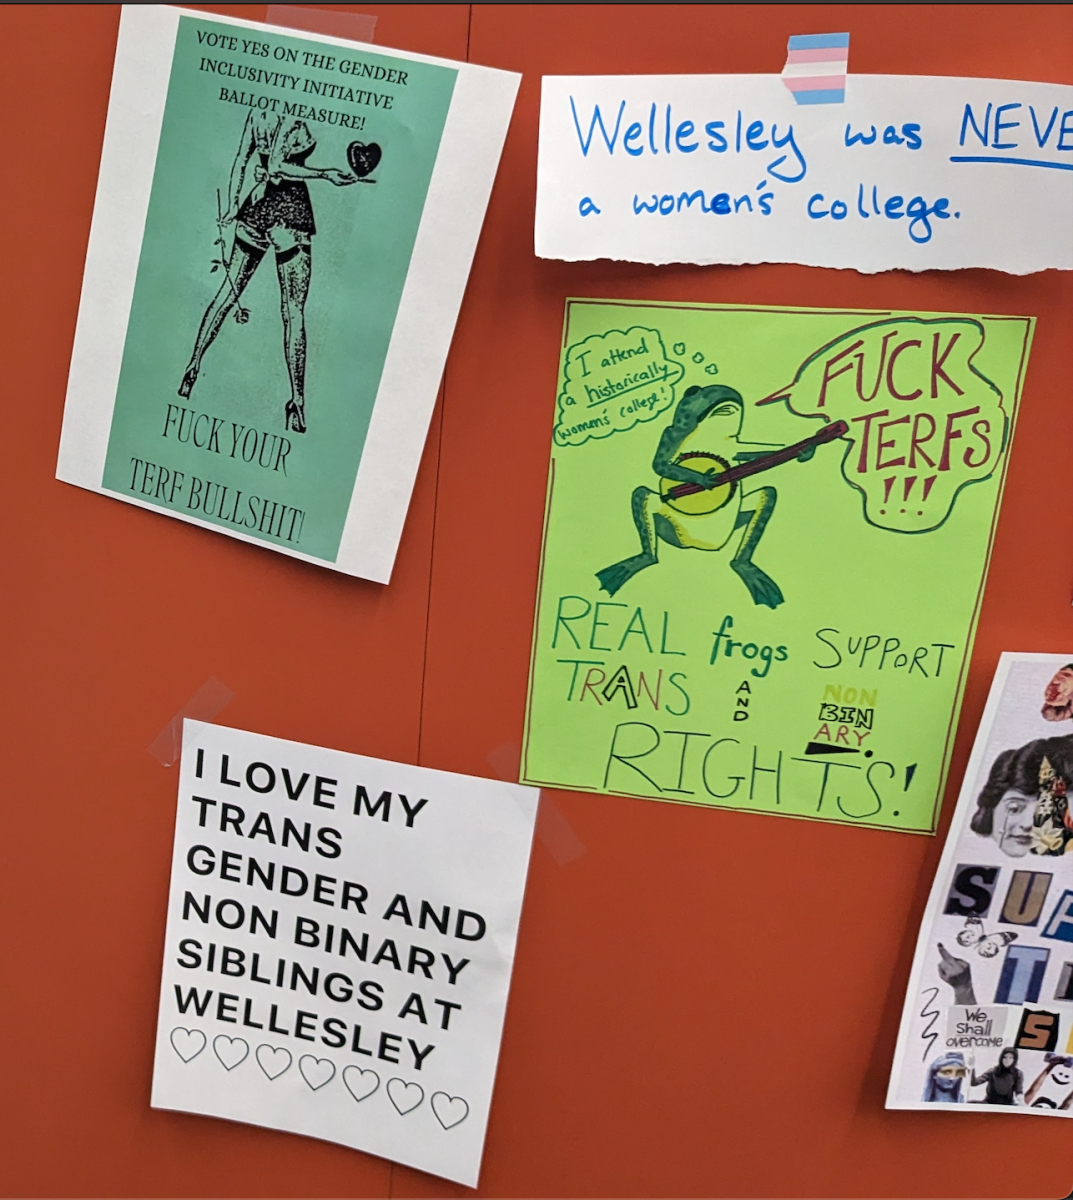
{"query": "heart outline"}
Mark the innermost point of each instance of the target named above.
(231, 1042)
(272, 1052)
(312, 1058)
(193, 1033)
(361, 1071)
(405, 1088)
(448, 1102)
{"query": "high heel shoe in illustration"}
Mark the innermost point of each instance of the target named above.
(294, 417)
(189, 379)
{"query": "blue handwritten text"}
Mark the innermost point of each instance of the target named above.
(916, 212)
(660, 132)
(909, 137)
(993, 129)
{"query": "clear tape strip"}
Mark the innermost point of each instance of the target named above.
(355, 27)
(203, 705)
(553, 830)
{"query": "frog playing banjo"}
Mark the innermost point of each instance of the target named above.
(700, 504)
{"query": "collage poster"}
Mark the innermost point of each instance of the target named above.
(988, 1015)
(765, 543)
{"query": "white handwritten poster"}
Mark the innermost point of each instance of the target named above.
(340, 938)
(915, 172)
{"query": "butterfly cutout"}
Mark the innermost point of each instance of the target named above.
(987, 945)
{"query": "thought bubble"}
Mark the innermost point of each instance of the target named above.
(924, 422)
(612, 382)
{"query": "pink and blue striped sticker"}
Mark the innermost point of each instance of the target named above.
(816, 65)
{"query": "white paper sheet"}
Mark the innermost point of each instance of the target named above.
(377, 469)
(340, 938)
(728, 169)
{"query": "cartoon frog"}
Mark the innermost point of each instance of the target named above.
(701, 442)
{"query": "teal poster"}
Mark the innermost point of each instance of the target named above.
(289, 184)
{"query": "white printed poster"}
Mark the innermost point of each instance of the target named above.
(340, 937)
(913, 172)
(283, 229)
(988, 1016)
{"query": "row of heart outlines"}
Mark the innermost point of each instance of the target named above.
(361, 1083)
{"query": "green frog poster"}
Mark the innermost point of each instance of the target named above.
(283, 229)
(765, 544)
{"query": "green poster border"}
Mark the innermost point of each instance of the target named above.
(525, 776)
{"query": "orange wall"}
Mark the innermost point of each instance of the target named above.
(654, 1044)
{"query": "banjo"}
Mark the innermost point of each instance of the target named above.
(697, 499)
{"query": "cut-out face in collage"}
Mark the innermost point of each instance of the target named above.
(1054, 1086)
(946, 1080)
(1024, 807)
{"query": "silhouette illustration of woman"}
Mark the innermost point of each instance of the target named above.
(276, 215)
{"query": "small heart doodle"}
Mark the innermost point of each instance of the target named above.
(450, 1110)
(316, 1071)
(405, 1096)
(360, 1083)
(187, 1043)
(363, 159)
(230, 1051)
(273, 1060)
